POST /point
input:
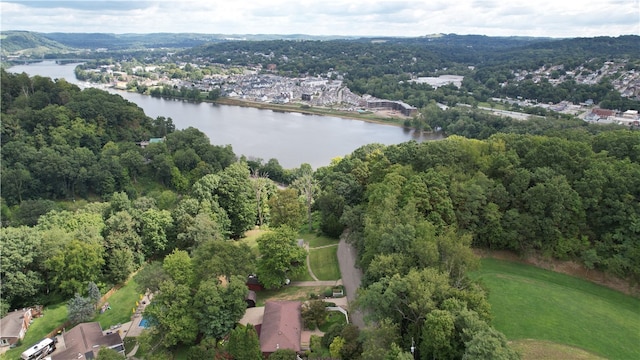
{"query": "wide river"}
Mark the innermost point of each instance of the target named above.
(292, 138)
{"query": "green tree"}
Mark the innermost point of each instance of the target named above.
(378, 341)
(437, 335)
(336, 347)
(314, 313)
(236, 196)
(220, 306)
(281, 257)
(93, 293)
(109, 354)
(286, 209)
(244, 343)
(489, 344)
(263, 189)
(223, 258)
(154, 227)
(173, 314)
(283, 354)
(80, 309)
(74, 264)
(150, 277)
(22, 277)
(179, 267)
(307, 185)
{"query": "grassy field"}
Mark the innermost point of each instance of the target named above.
(539, 349)
(305, 276)
(533, 303)
(324, 263)
(315, 240)
(53, 317)
(121, 302)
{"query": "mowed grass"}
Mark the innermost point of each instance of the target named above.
(251, 239)
(324, 263)
(53, 317)
(533, 303)
(541, 349)
(122, 302)
(315, 240)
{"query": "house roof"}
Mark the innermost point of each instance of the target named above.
(602, 112)
(281, 326)
(11, 324)
(86, 338)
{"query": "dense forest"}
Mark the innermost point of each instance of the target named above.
(82, 202)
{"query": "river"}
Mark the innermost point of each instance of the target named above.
(292, 138)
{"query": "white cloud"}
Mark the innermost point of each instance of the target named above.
(553, 18)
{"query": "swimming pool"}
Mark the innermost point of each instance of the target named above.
(144, 323)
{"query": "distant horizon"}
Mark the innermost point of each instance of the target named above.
(434, 35)
(330, 18)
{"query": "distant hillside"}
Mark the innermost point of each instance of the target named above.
(161, 40)
(30, 43)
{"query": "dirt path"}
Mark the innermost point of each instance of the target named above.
(351, 277)
(313, 276)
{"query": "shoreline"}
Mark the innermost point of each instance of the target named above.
(321, 111)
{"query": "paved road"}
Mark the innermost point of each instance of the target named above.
(351, 277)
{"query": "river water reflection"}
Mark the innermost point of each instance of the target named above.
(292, 138)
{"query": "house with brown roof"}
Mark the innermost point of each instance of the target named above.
(281, 326)
(14, 325)
(85, 340)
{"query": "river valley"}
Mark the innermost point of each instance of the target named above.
(291, 138)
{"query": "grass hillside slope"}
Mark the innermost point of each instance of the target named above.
(533, 303)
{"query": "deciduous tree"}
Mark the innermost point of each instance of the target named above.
(280, 257)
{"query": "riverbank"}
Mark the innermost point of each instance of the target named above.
(374, 117)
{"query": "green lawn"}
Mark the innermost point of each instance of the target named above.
(333, 317)
(250, 238)
(53, 317)
(533, 303)
(305, 276)
(122, 302)
(324, 263)
(315, 240)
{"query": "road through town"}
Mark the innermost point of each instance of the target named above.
(351, 277)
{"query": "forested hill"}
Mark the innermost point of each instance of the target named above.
(29, 43)
(421, 54)
(59, 142)
(567, 199)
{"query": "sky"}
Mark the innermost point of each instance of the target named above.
(545, 18)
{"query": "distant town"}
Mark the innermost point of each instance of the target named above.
(262, 84)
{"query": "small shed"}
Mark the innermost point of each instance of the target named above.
(253, 283)
(251, 299)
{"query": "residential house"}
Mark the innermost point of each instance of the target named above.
(85, 340)
(14, 325)
(281, 326)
